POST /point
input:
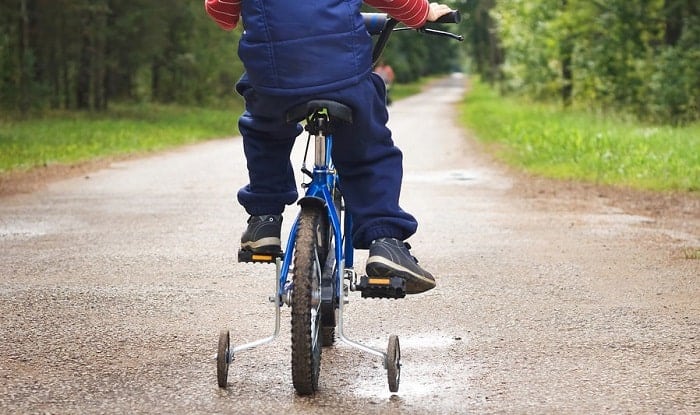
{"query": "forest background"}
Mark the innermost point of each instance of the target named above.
(640, 57)
(86, 78)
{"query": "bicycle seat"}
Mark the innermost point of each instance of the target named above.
(335, 110)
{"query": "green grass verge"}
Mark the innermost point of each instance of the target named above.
(72, 137)
(399, 91)
(546, 140)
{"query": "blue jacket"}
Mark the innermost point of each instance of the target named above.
(302, 47)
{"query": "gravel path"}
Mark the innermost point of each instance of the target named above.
(551, 298)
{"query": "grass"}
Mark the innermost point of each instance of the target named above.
(73, 137)
(567, 144)
(402, 90)
(543, 139)
(399, 91)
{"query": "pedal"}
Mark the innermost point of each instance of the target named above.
(381, 287)
(258, 258)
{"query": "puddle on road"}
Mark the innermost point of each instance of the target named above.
(620, 218)
(408, 388)
(23, 229)
(418, 379)
(442, 177)
(420, 342)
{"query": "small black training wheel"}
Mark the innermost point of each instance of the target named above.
(222, 358)
(393, 363)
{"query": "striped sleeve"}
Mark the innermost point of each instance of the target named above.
(412, 13)
(224, 12)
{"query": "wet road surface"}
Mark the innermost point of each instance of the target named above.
(114, 286)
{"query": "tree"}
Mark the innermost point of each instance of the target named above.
(479, 29)
(82, 54)
(633, 56)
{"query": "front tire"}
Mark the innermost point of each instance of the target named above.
(306, 300)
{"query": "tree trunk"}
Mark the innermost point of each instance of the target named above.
(155, 81)
(82, 93)
(673, 10)
(566, 51)
(24, 77)
(567, 75)
(99, 67)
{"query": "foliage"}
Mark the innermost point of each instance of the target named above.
(640, 56)
(403, 90)
(478, 26)
(674, 87)
(84, 54)
(574, 144)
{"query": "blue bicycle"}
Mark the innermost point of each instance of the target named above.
(318, 259)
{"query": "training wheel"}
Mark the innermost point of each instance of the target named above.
(393, 363)
(222, 358)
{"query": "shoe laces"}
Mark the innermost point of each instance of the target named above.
(262, 218)
(408, 247)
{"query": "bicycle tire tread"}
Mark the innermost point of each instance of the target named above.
(304, 369)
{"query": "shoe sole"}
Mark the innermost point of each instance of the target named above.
(379, 266)
(264, 245)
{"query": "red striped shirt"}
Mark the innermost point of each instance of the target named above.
(412, 13)
(224, 12)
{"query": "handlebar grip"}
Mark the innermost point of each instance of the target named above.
(375, 22)
(452, 17)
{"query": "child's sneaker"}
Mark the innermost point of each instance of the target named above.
(390, 257)
(263, 235)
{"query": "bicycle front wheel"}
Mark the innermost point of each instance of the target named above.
(309, 250)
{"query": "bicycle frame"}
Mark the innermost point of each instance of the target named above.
(323, 180)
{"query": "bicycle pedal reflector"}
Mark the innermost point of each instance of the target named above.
(382, 287)
(247, 256)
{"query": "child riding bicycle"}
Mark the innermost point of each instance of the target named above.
(297, 51)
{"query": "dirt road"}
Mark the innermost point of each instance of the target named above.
(551, 298)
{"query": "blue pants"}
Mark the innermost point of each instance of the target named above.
(369, 165)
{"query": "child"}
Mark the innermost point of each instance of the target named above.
(295, 51)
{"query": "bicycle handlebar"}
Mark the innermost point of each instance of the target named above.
(377, 22)
(452, 17)
(382, 24)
